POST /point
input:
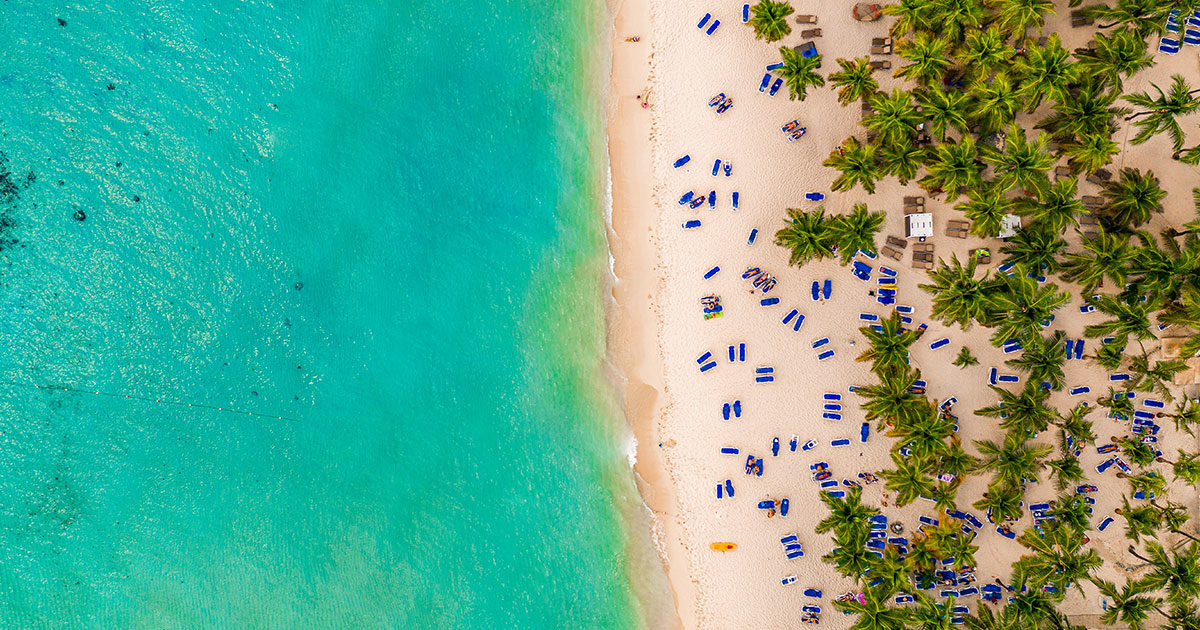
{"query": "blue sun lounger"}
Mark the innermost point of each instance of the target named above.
(833, 396)
(735, 199)
(713, 27)
(1157, 404)
(812, 592)
(798, 323)
(711, 272)
(745, 13)
(775, 87)
(1082, 389)
(832, 407)
(932, 522)
(788, 318)
(712, 199)
(753, 235)
(992, 376)
(708, 366)
(837, 494)
(1087, 308)
(1108, 520)
(825, 355)
(691, 224)
(1105, 465)
(868, 317)
(864, 433)
(820, 342)
(775, 66)
(1168, 46)
(729, 450)
(769, 301)
(939, 343)
(766, 80)
(827, 289)
(814, 196)
(687, 196)
(1007, 533)
(831, 416)
(816, 290)
(704, 20)
(766, 369)
(683, 160)
(1008, 378)
(1079, 349)
(840, 442)
(1119, 376)
(716, 167)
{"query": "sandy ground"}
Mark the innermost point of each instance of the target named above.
(657, 330)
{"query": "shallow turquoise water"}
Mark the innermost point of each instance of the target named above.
(381, 221)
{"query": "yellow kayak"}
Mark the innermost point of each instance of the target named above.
(722, 546)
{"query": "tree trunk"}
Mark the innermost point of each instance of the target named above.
(1133, 551)
(1187, 535)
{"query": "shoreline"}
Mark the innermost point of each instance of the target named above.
(634, 326)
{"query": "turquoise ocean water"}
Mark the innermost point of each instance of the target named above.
(378, 219)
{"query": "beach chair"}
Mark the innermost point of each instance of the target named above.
(810, 33)
(704, 20)
(831, 407)
(745, 13)
(1062, 172)
(881, 50)
(829, 415)
(713, 27)
(939, 343)
(1108, 520)
(881, 41)
(775, 87)
(1079, 20)
(883, 64)
(766, 80)
(1168, 46)
(821, 342)
(891, 252)
(896, 242)
(806, 19)
(753, 235)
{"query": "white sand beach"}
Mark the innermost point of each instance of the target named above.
(658, 331)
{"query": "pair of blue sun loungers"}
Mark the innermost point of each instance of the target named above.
(766, 80)
(712, 27)
(822, 290)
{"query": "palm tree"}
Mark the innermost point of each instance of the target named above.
(1118, 403)
(889, 572)
(807, 235)
(1150, 483)
(1091, 110)
(1046, 72)
(1058, 559)
(1034, 609)
(1020, 162)
(1161, 111)
(929, 56)
(1034, 249)
(1128, 320)
(1186, 467)
(799, 72)
(1091, 152)
(911, 15)
(875, 611)
(943, 109)
(965, 358)
(954, 460)
(894, 118)
(857, 165)
(983, 50)
(888, 347)
(910, 479)
(929, 613)
(925, 436)
(1014, 460)
(986, 207)
(1002, 502)
(892, 401)
(958, 296)
(1122, 53)
(1139, 521)
(901, 159)
(769, 20)
(995, 102)
(1043, 360)
(855, 231)
(1075, 423)
(1025, 413)
(1020, 310)
(849, 555)
(845, 515)
(1156, 377)
(1185, 416)
(1131, 199)
(951, 17)
(1176, 571)
(1056, 207)
(952, 167)
(1171, 276)
(1066, 472)
(854, 81)
(1104, 256)
(1143, 17)
(1016, 16)
(1129, 605)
